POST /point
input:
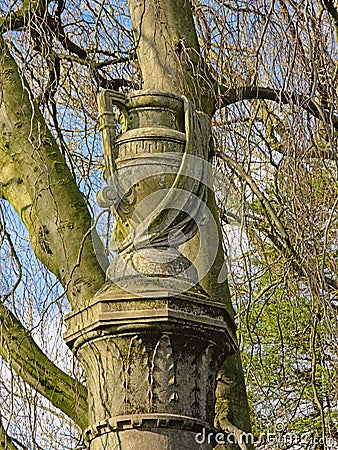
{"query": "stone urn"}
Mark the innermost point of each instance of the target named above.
(151, 340)
(155, 145)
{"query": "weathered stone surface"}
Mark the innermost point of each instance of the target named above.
(151, 341)
(158, 306)
(150, 356)
(156, 181)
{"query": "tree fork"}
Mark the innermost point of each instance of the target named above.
(35, 175)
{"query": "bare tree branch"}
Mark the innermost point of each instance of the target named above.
(16, 20)
(57, 239)
(281, 239)
(21, 352)
(333, 11)
(241, 93)
(6, 441)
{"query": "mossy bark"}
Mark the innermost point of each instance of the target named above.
(168, 51)
(36, 180)
(6, 442)
(21, 352)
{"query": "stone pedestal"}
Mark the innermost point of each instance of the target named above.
(151, 364)
(151, 340)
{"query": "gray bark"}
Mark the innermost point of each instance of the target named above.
(36, 181)
(169, 58)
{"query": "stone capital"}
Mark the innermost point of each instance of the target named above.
(151, 363)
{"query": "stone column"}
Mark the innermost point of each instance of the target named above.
(151, 340)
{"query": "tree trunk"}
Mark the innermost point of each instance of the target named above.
(164, 371)
(142, 367)
(169, 57)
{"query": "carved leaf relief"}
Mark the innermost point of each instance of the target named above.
(137, 379)
(163, 375)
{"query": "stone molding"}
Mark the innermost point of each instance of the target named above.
(115, 309)
(145, 421)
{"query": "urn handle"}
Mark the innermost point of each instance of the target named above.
(106, 100)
